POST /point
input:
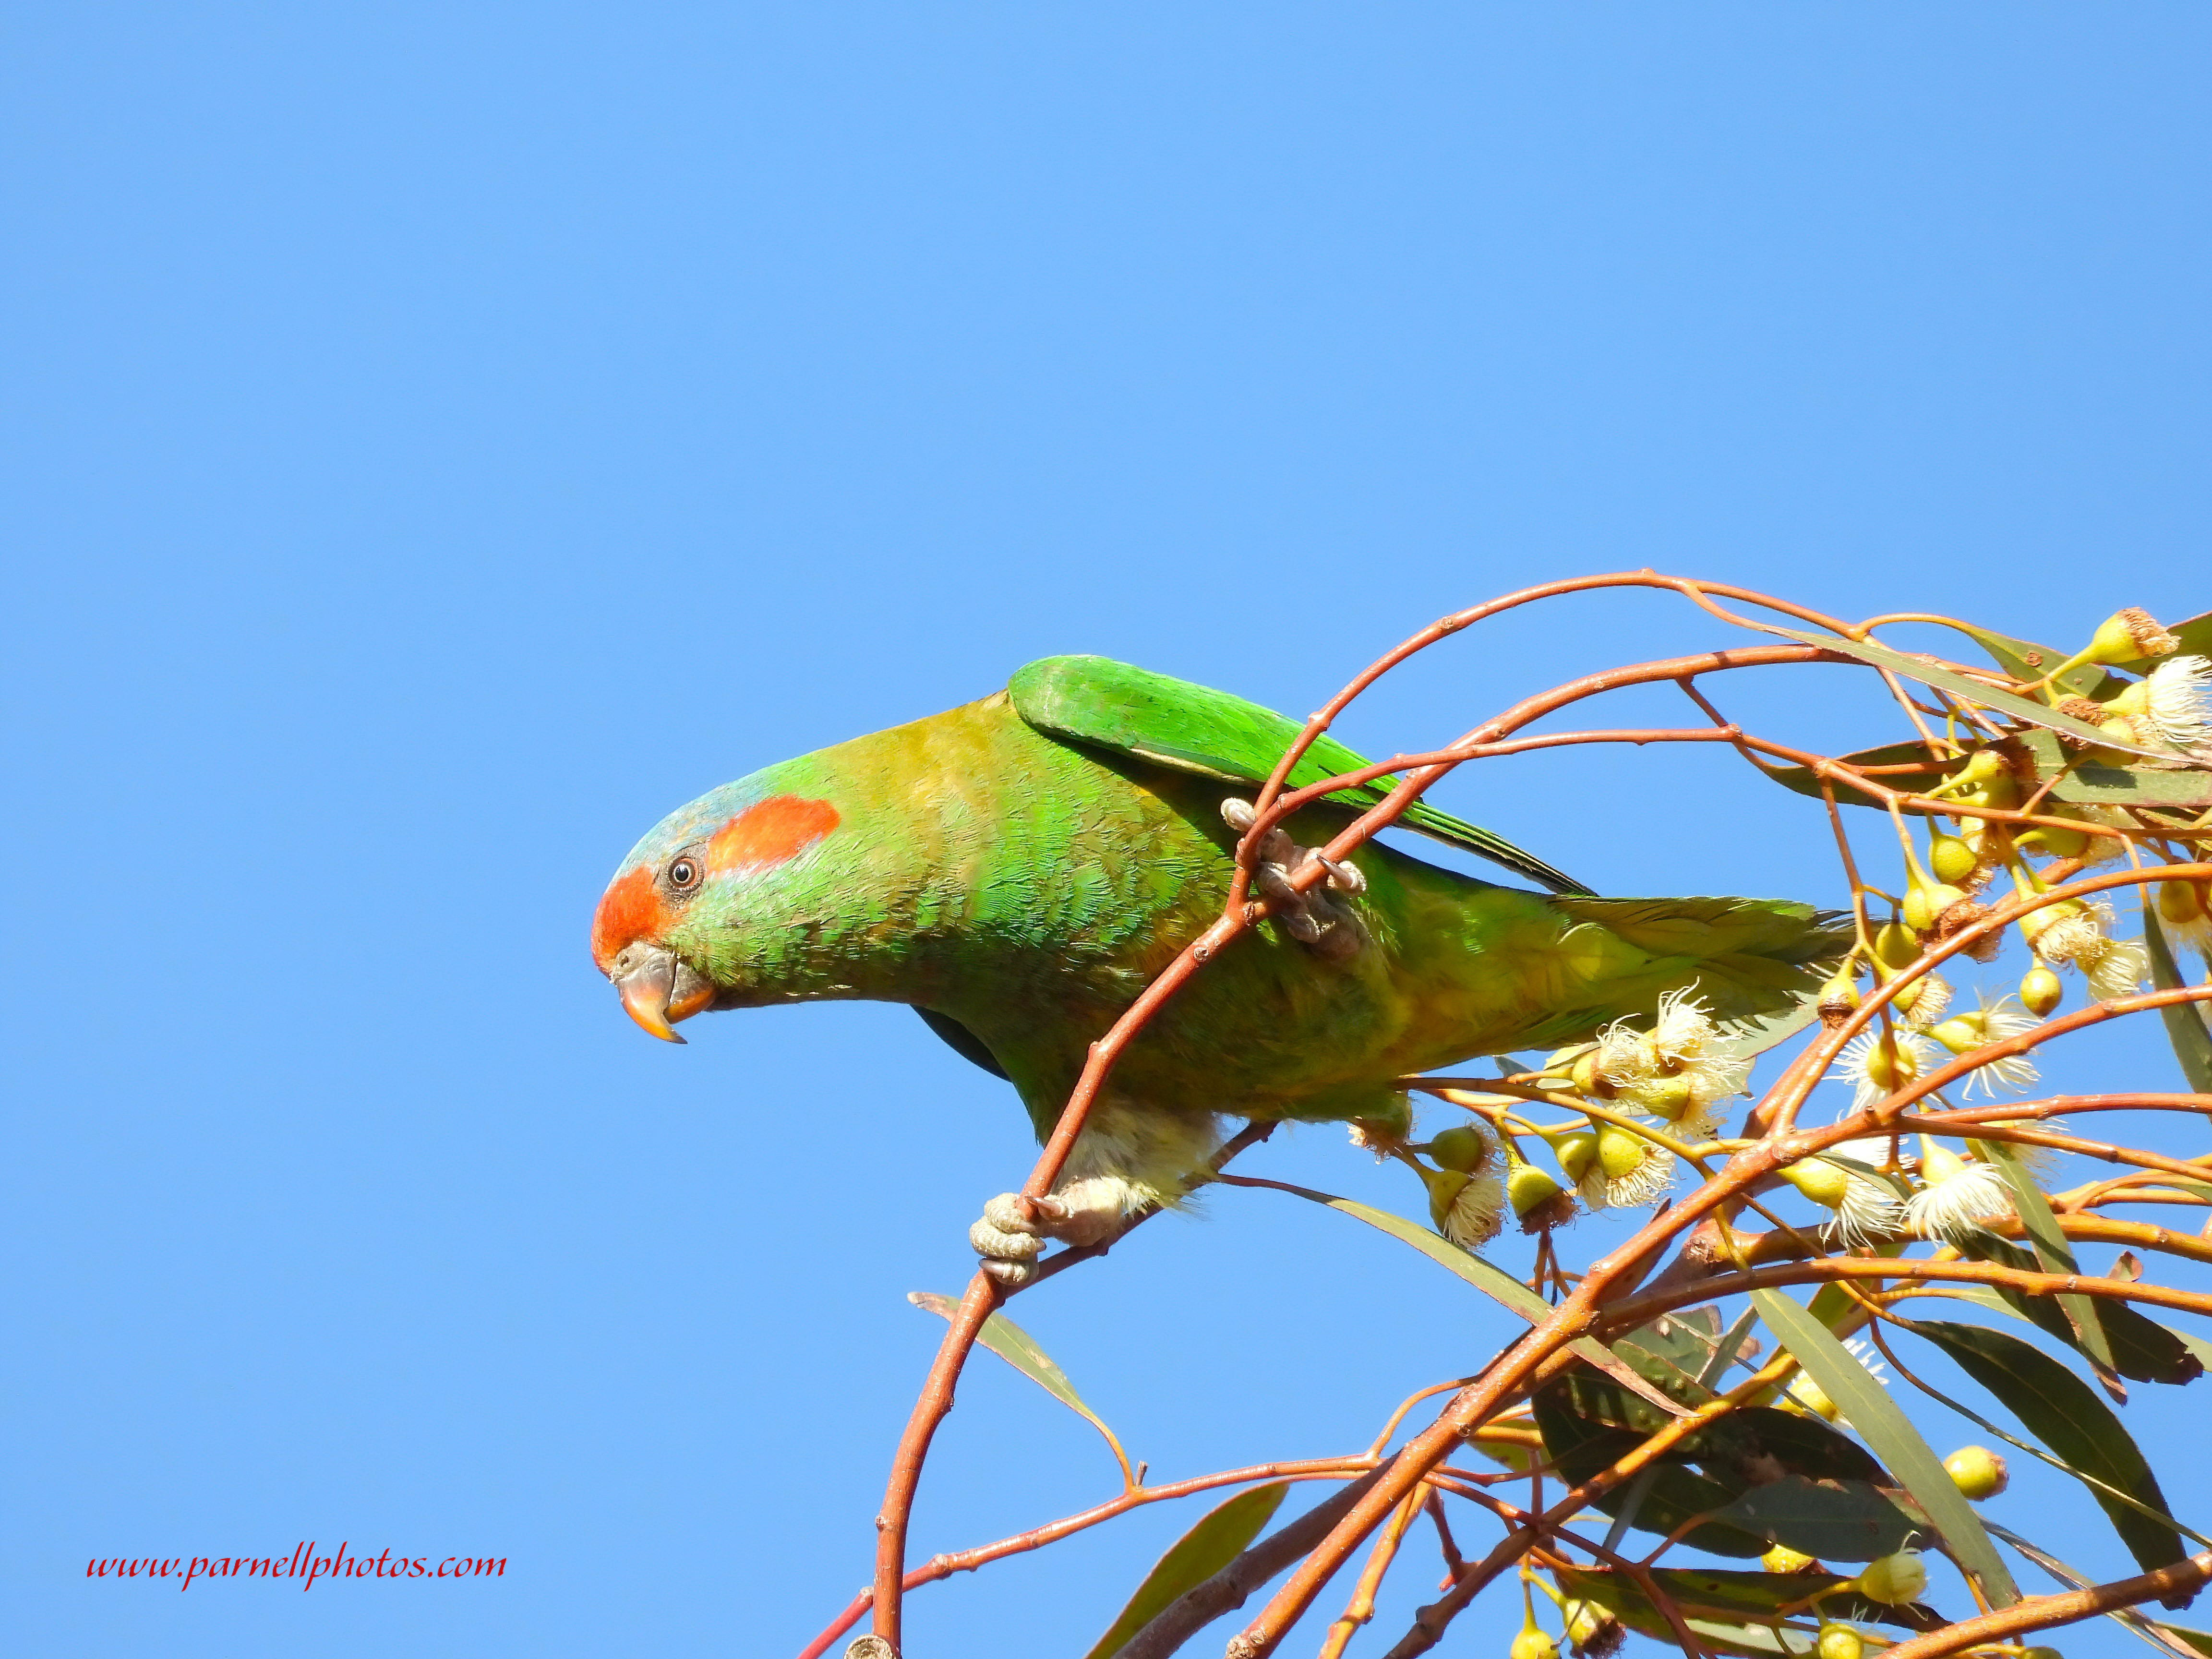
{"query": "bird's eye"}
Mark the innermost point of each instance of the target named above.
(683, 873)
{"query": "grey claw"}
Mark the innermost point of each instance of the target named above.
(1345, 878)
(1238, 814)
(996, 1244)
(1011, 1274)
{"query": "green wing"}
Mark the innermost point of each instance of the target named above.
(1170, 722)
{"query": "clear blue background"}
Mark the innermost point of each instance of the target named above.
(445, 438)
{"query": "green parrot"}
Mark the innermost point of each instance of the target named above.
(1017, 869)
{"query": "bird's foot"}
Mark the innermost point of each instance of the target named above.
(1012, 1233)
(1312, 917)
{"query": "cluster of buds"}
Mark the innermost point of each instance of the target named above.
(1674, 1071)
(1465, 1197)
(2077, 933)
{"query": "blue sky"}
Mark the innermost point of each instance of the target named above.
(445, 438)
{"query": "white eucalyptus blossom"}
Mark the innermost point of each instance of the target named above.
(2081, 938)
(1866, 1210)
(2177, 700)
(1669, 1072)
(1623, 1172)
(1876, 1063)
(1956, 1196)
(1476, 1212)
(1992, 1021)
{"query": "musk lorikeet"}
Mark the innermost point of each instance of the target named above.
(1019, 868)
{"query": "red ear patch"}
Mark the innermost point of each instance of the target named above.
(630, 910)
(779, 828)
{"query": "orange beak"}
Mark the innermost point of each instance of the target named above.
(657, 990)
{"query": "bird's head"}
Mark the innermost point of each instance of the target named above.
(669, 924)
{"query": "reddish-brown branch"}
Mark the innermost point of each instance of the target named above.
(2048, 1612)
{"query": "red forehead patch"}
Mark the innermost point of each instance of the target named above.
(779, 828)
(630, 910)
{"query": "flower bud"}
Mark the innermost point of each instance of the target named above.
(1838, 1641)
(1895, 1579)
(1461, 1147)
(2036, 923)
(1575, 1151)
(1978, 1472)
(1782, 1559)
(2181, 904)
(1839, 997)
(2040, 991)
(1812, 1396)
(1895, 946)
(1620, 1153)
(1925, 901)
(1589, 1079)
(1824, 1182)
(2040, 1652)
(2128, 635)
(1950, 859)
(1595, 1631)
(1445, 1187)
(1667, 1098)
(1961, 1032)
(1532, 1644)
(1537, 1199)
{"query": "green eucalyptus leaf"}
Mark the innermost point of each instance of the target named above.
(1221, 1535)
(2089, 782)
(1737, 1612)
(1581, 1447)
(2142, 1348)
(2081, 1430)
(2054, 1255)
(1833, 1520)
(1892, 1437)
(2027, 661)
(1928, 673)
(1018, 1349)
(2184, 1025)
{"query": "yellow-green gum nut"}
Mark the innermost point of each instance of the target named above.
(1575, 1151)
(1532, 1644)
(1461, 1147)
(1445, 1187)
(1782, 1559)
(1812, 1396)
(1838, 1641)
(1667, 1097)
(1620, 1153)
(1526, 1187)
(1925, 901)
(1908, 995)
(1586, 1623)
(2041, 1653)
(1949, 858)
(2059, 843)
(1978, 1472)
(2181, 903)
(1887, 1065)
(1958, 1033)
(1588, 1079)
(1895, 946)
(2040, 991)
(1894, 1580)
(1819, 1180)
(2036, 923)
